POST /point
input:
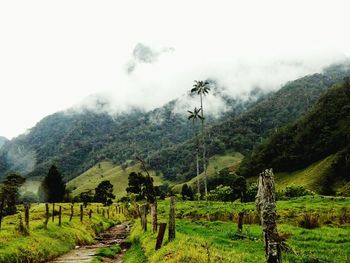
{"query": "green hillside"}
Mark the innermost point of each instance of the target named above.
(216, 163)
(311, 177)
(241, 133)
(317, 145)
(106, 171)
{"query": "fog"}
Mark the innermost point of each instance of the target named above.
(56, 55)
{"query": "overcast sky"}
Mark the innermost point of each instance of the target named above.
(53, 54)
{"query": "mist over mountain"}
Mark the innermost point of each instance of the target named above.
(78, 138)
(3, 140)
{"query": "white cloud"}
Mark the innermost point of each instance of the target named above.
(54, 54)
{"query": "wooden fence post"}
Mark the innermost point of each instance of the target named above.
(103, 212)
(144, 217)
(60, 215)
(154, 216)
(172, 230)
(81, 213)
(98, 210)
(71, 212)
(108, 213)
(47, 214)
(240, 221)
(26, 214)
(90, 214)
(53, 212)
(160, 236)
(266, 207)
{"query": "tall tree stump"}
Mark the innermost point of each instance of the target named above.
(160, 236)
(172, 230)
(154, 216)
(266, 206)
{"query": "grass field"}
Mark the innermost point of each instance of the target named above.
(118, 176)
(41, 244)
(201, 240)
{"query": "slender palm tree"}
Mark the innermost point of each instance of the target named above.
(194, 116)
(202, 88)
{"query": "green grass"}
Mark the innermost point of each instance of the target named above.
(106, 171)
(216, 163)
(42, 244)
(311, 177)
(109, 252)
(198, 238)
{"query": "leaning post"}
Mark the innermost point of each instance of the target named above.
(172, 230)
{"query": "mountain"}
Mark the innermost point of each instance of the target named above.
(321, 134)
(77, 139)
(3, 140)
(240, 133)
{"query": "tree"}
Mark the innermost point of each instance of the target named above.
(187, 192)
(136, 181)
(202, 89)
(9, 194)
(104, 193)
(53, 188)
(194, 116)
(86, 197)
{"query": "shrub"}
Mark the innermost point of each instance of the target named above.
(309, 221)
(296, 191)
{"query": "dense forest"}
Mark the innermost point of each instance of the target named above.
(242, 132)
(77, 140)
(323, 131)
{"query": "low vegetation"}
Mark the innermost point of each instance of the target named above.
(41, 244)
(217, 240)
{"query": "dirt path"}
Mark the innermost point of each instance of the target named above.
(115, 235)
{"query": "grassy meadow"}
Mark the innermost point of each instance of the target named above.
(208, 232)
(39, 244)
(118, 176)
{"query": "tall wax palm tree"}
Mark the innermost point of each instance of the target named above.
(194, 116)
(201, 88)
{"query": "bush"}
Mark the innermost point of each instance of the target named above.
(296, 191)
(309, 221)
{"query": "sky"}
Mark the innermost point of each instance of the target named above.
(55, 54)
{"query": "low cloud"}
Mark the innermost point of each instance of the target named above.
(155, 76)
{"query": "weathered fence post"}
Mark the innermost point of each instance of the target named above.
(108, 213)
(26, 214)
(53, 212)
(98, 210)
(90, 214)
(71, 213)
(154, 216)
(144, 217)
(240, 221)
(47, 215)
(103, 212)
(81, 213)
(266, 207)
(160, 236)
(60, 215)
(172, 230)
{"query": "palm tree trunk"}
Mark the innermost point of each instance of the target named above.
(204, 160)
(197, 158)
